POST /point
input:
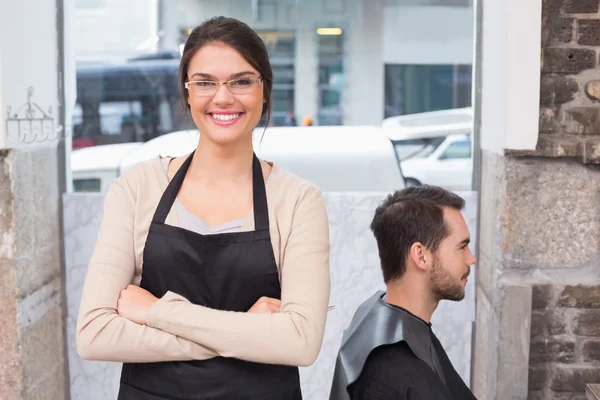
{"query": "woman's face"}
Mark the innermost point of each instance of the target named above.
(221, 116)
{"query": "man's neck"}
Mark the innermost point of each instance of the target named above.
(413, 297)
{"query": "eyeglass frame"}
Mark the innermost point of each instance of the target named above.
(258, 80)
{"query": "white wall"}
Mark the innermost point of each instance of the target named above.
(427, 35)
(29, 56)
(510, 74)
(2, 126)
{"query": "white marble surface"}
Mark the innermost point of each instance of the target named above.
(355, 276)
(90, 380)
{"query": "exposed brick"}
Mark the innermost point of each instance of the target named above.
(592, 89)
(538, 323)
(538, 378)
(552, 7)
(580, 296)
(543, 295)
(573, 379)
(558, 146)
(557, 90)
(548, 323)
(557, 322)
(580, 6)
(565, 396)
(548, 350)
(582, 121)
(556, 29)
(548, 121)
(591, 351)
(588, 32)
(587, 323)
(537, 395)
(590, 150)
(563, 60)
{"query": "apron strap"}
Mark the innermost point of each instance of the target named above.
(259, 195)
(170, 194)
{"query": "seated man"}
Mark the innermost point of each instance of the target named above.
(389, 350)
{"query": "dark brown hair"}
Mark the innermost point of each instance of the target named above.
(240, 37)
(412, 215)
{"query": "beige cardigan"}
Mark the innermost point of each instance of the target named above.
(179, 330)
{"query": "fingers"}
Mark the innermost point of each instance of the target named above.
(135, 288)
(266, 304)
(269, 300)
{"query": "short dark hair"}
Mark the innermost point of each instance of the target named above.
(240, 37)
(408, 216)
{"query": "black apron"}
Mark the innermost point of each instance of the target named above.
(228, 271)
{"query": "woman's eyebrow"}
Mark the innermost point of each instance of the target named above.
(234, 76)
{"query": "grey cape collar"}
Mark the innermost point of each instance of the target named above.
(377, 323)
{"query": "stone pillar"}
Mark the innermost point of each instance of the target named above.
(32, 339)
(538, 289)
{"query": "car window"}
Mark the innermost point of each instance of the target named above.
(461, 149)
(417, 148)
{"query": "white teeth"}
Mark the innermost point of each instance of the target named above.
(225, 117)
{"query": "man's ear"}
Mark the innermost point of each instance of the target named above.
(420, 256)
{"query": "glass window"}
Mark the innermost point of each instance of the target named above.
(131, 101)
(90, 4)
(457, 150)
(86, 185)
(281, 46)
(413, 89)
(331, 79)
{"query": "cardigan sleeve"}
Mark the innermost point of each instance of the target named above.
(102, 334)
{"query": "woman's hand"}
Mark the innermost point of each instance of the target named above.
(134, 304)
(266, 304)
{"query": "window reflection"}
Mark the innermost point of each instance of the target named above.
(414, 89)
(327, 59)
(331, 79)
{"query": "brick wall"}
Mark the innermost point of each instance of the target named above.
(570, 84)
(565, 326)
(565, 341)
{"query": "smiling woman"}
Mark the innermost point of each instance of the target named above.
(224, 89)
(213, 265)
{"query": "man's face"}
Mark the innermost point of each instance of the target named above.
(451, 266)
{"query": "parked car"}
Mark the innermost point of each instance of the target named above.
(447, 163)
(454, 116)
(434, 147)
(94, 168)
(335, 158)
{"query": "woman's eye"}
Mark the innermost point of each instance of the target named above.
(242, 82)
(204, 84)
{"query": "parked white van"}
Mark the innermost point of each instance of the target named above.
(335, 158)
(94, 168)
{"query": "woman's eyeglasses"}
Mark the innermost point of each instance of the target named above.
(235, 86)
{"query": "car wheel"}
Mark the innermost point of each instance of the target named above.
(410, 182)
